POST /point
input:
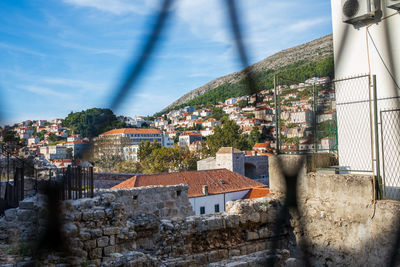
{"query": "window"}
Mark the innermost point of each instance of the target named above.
(216, 207)
(202, 210)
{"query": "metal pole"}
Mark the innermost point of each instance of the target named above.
(22, 172)
(378, 165)
(383, 179)
(91, 182)
(315, 120)
(8, 167)
(277, 115)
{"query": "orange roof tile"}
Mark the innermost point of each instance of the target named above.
(262, 145)
(219, 181)
(257, 193)
(131, 131)
(266, 154)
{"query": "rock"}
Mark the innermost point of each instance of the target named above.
(102, 241)
(108, 197)
(292, 262)
(25, 215)
(96, 233)
(84, 235)
(90, 244)
(111, 230)
(10, 214)
(28, 203)
(70, 229)
(108, 250)
(96, 253)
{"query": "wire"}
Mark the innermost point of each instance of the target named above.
(383, 61)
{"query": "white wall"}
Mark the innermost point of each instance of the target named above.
(354, 55)
(210, 201)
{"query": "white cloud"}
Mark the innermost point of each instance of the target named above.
(19, 49)
(266, 25)
(304, 25)
(43, 91)
(116, 7)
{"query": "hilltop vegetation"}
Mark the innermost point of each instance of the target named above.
(92, 122)
(306, 56)
(299, 71)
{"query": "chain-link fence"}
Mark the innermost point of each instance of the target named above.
(390, 126)
(305, 115)
(354, 101)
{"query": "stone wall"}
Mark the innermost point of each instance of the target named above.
(105, 180)
(341, 223)
(254, 167)
(151, 226)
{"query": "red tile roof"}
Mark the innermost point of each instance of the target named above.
(219, 181)
(257, 193)
(262, 145)
(132, 131)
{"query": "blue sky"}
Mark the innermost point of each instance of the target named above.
(59, 56)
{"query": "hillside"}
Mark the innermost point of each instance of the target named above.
(313, 55)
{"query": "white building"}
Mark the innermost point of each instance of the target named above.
(207, 131)
(130, 152)
(113, 142)
(304, 116)
(33, 140)
(189, 137)
(209, 190)
(53, 152)
(231, 101)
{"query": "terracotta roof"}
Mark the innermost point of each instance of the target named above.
(257, 193)
(262, 145)
(265, 154)
(228, 150)
(219, 181)
(131, 131)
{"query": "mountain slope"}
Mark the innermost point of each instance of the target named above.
(313, 51)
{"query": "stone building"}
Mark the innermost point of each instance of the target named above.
(209, 190)
(189, 137)
(251, 166)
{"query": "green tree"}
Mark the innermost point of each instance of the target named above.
(255, 136)
(69, 153)
(92, 122)
(128, 166)
(227, 136)
(242, 103)
(217, 113)
(41, 134)
(146, 149)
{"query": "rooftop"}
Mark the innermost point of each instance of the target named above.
(131, 131)
(257, 193)
(219, 181)
(228, 150)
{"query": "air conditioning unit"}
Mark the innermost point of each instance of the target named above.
(358, 11)
(395, 4)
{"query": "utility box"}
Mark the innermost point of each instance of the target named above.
(358, 11)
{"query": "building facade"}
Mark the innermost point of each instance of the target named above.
(121, 142)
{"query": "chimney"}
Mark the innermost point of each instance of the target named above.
(205, 190)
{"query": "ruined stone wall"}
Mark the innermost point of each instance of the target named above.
(105, 180)
(153, 226)
(261, 164)
(342, 224)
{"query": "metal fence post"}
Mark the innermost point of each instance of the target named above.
(377, 156)
(277, 116)
(315, 120)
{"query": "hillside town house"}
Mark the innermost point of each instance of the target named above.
(209, 190)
